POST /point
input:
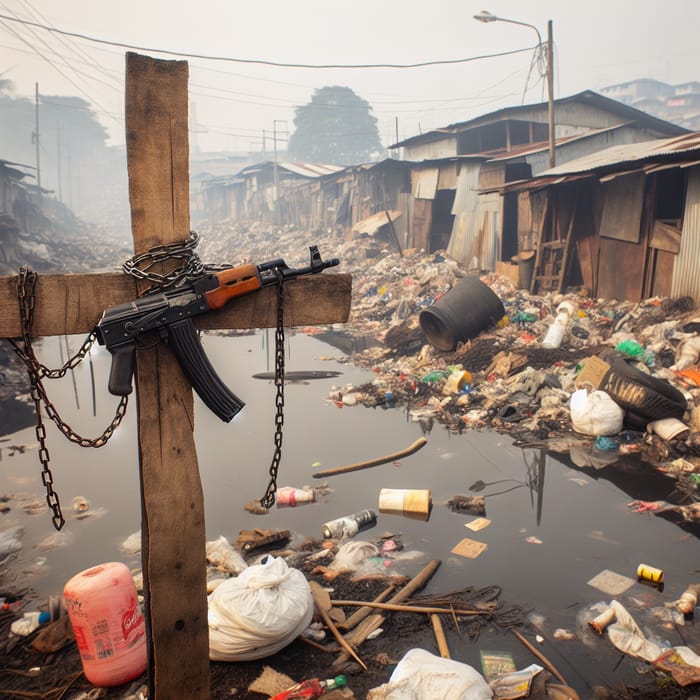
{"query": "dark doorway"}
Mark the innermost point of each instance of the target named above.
(443, 217)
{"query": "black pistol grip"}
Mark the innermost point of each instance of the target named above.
(185, 343)
(122, 370)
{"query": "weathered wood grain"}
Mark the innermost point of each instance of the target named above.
(73, 304)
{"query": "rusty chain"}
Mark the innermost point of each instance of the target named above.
(268, 500)
(36, 371)
(140, 266)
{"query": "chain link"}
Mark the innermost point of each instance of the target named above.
(141, 266)
(268, 500)
(36, 371)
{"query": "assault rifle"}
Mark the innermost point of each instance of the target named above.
(170, 313)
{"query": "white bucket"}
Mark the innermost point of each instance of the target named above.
(412, 503)
(109, 627)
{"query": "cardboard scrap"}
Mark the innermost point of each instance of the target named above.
(469, 548)
(478, 524)
(494, 663)
(611, 583)
(592, 372)
(270, 682)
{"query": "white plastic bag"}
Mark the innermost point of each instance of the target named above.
(595, 413)
(224, 557)
(421, 675)
(259, 612)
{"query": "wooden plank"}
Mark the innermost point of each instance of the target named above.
(173, 525)
(621, 218)
(665, 237)
(72, 304)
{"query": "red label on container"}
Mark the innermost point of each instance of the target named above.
(131, 620)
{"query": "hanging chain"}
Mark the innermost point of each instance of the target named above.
(268, 500)
(140, 266)
(26, 295)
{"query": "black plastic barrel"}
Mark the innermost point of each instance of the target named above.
(468, 309)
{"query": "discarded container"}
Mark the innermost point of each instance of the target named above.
(526, 266)
(555, 334)
(311, 688)
(668, 428)
(109, 628)
(29, 622)
(349, 525)
(599, 623)
(412, 503)
(469, 308)
(290, 496)
(688, 600)
(650, 573)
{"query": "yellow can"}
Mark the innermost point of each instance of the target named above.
(650, 573)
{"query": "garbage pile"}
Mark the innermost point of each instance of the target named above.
(532, 366)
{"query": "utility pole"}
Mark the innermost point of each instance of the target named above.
(36, 140)
(275, 169)
(550, 92)
(58, 161)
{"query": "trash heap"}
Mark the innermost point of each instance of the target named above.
(517, 375)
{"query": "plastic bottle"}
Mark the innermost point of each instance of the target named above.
(556, 331)
(348, 525)
(311, 688)
(109, 627)
(29, 622)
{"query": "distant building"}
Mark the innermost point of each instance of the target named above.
(679, 104)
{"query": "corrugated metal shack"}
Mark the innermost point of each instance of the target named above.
(623, 222)
(262, 191)
(451, 165)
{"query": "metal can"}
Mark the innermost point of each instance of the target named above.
(348, 525)
(650, 573)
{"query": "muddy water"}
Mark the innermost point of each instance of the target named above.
(553, 525)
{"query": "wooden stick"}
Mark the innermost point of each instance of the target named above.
(375, 620)
(440, 637)
(395, 607)
(420, 442)
(321, 647)
(331, 626)
(365, 610)
(540, 656)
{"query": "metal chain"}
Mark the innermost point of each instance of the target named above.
(141, 266)
(26, 295)
(268, 500)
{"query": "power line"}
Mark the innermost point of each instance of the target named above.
(259, 61)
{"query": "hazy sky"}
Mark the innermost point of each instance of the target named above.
(597, 43)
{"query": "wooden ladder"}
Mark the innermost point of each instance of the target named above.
(552, 259)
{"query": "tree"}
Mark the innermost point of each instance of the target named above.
(336, 127)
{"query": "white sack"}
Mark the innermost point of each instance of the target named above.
(595, 413)
(259, 612)
(421, 675)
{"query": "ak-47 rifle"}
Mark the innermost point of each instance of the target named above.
(170, 312)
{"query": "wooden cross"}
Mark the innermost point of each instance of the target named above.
(173, 525)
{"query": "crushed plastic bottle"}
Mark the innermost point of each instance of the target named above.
(311, 688)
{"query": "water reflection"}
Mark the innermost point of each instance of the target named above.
(552, 525)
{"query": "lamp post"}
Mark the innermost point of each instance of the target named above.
(487, 17)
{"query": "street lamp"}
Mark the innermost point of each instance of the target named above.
(486, 17)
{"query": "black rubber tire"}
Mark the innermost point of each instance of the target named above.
(643, 397)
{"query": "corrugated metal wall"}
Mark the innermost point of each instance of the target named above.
(477, 222)
(686, 280)
(464, 228)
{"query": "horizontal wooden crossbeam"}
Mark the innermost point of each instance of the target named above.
(73, 304)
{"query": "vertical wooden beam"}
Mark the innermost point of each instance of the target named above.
(173, 527)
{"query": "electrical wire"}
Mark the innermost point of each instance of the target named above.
(259, 61)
